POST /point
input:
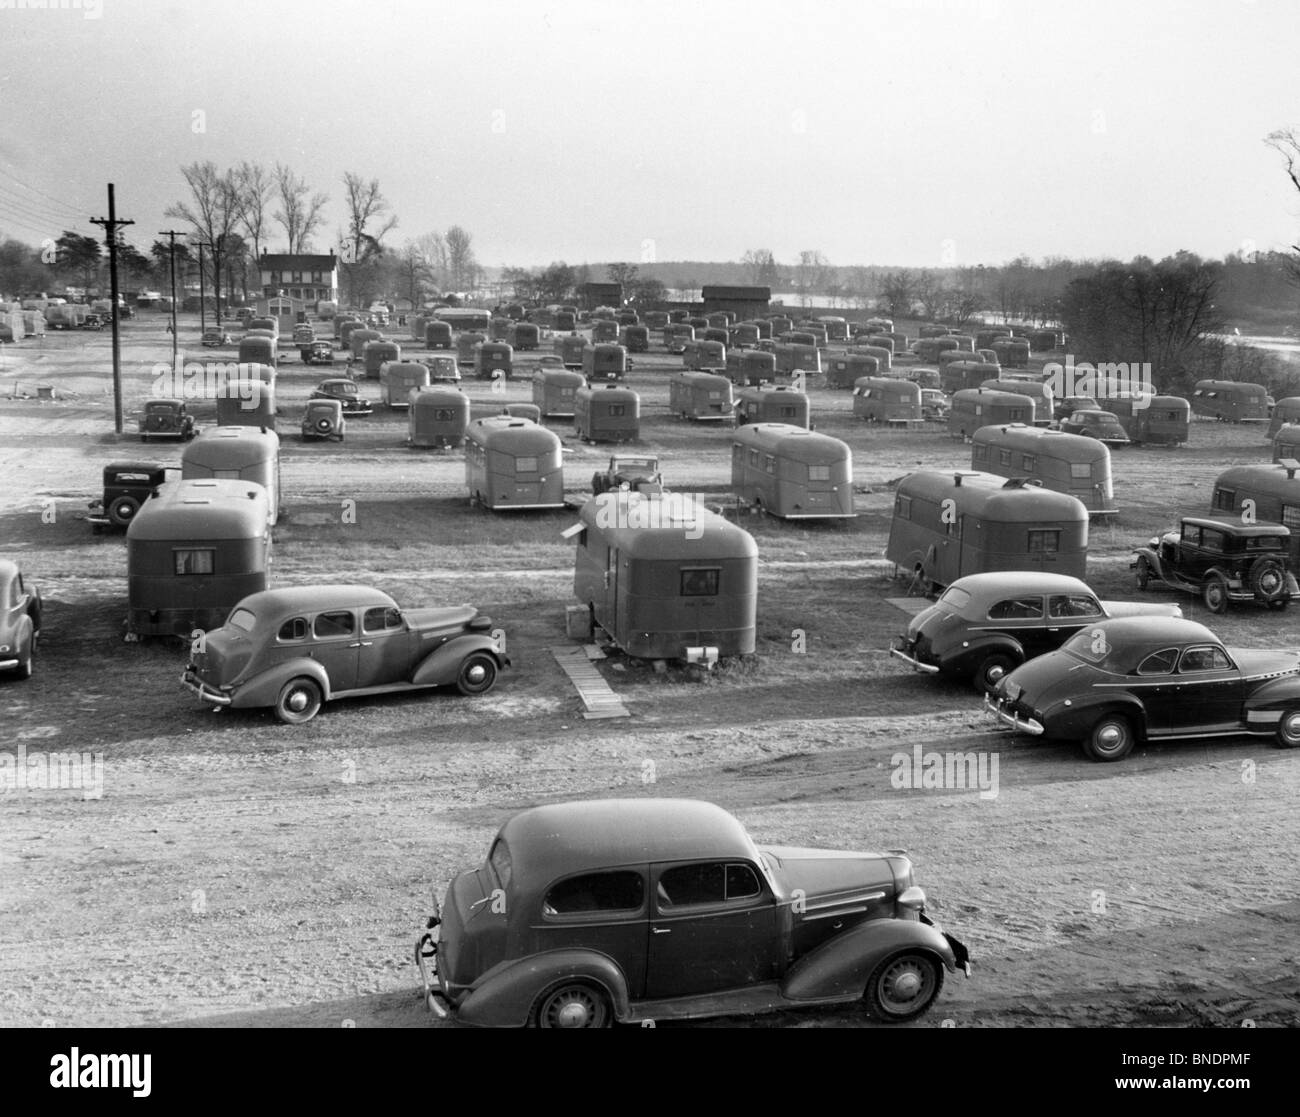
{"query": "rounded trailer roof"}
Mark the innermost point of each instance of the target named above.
(519, 435)
(208, 508)
(439, 397)
(610, 393)
(562, 376)
(563, 838)
(1019, 436)
(701, 379)
(227, 447)
(995, 497)
(666, 526)
(792, 441)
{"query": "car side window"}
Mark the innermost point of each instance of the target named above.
(293, 630)
(619, 890)
(712, 882)
(1204, 658)
(1073, 605)
(381, 619)
(1159, 663)
(1017, 608)
(339, 623)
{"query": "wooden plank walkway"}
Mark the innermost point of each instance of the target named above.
(600, 701)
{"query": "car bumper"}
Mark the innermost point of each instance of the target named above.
(928, 668)
(1009, 718)
(207, 693)
(426, 961)
(8, 664)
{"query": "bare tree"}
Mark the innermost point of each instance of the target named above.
(460, 258)
(932, 294)
(299, 215)
(761, 265)
(253, 188)
(1286, 143)
(365, 202)
(213, 211)
(897, 290)
(416, 270)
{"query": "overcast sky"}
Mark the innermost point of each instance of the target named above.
(903, 132)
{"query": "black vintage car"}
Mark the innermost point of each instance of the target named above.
(167, 418)
(985, 625)
(20, 620)
(638, 472)
(127, 485)
(587, 913)
(1116, 684)
(345, 391)
(1223, 561)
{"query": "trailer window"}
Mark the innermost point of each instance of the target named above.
(1027, 462)
(1291, 516)
(755, 458)
(819, 473)
(1016, 415)
(770, 464)
(1004, 457)
(1044, 542)
(617, 410)
(981, 452)
(525, 465)
(1225, 500)
(194, 560)
(340, 623)
(700, 581)
(1081, 470)
(903, 507)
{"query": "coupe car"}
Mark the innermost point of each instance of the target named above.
(1104, 426)
(20, 620)
(588, 913)
(1119, 683)
(294, 649)
(985, 625)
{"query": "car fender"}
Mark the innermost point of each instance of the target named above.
(1264, 708)
(1153, 560)
(35, 607)
(841, 966)
(504, 997)
(1075, 722)
(964, 658)
(264, 688)
(441, 665)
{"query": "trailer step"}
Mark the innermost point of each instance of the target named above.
(600, 701)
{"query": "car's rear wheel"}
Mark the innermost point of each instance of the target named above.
(1112, 738)
(992, 671)
(1267, 579)
(1215, 594)
(299, 701)
(904, 986)
(122, 511)
(477, 674)
(575, 1005)
(1143, 573)
(1288, 729)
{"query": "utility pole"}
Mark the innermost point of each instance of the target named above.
(173, 234)
(111, 225)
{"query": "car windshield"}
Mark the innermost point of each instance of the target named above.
(242, 619)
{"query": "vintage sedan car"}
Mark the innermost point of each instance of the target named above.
(317, 353)
(294, 649)
(20, 620)
(985, 625)
(588, 913)
(166, 418)
(214, 339)
(934, 405)
(1104, 426)
(323, 418)
(442, 370)
(345, 391)
(638, 472)
(127, 485)
(1119, 683)
(1223, 561)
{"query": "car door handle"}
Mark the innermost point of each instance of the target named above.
(663, 930)
(362, 644)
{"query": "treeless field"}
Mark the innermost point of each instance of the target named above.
(237, 871)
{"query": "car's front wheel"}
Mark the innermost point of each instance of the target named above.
(992, 671)
(299, 701)
(1288, 729)
(477, 674)
(575, 1005)
(1112, 738)
(1215, 594)
(903, 987)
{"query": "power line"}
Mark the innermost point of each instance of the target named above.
(8, 197)
(74, 209)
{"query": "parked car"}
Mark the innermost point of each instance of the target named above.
(1120, 683)
(214, 339)
(317, 353)
(127, 485)
(167, 418)
(304, 335)
(640, 473)
(345, 391)
(934, 405)
(295, 649)
(20, 620)
(323, 418)
(442, 370)
(587, 913)
(986, 625)
(1101, 425)
(1223, 561)
(93, 322)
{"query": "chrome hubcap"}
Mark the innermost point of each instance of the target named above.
(1291, 724)
(574, 1013)
(298, 701)
(1110, 736)
(476, 674)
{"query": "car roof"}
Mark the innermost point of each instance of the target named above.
(558, 839)
(1155, 632)
(1000, 584)
(288, 600)
(1236, 527)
